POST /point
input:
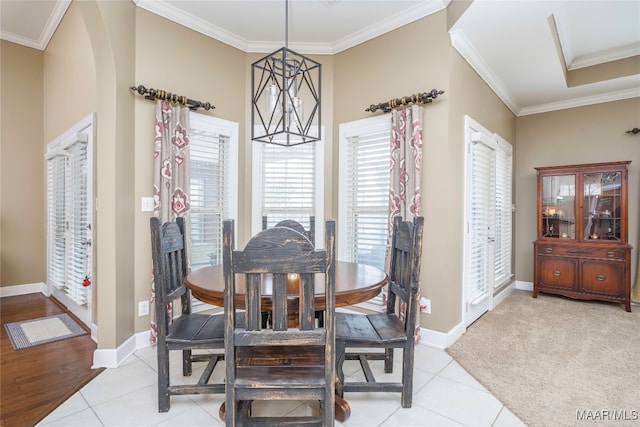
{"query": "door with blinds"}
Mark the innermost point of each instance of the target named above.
(70, 233)
(488, 231)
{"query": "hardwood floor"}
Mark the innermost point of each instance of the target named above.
(36, 380)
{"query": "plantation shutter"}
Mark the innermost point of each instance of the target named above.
(367, 196)
(210, 192)
(481, 218)
(288, 182)
(56, 220)
(503, 222)
(68, 222)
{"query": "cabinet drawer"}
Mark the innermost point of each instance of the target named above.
(603, 277)
(557, 272)
(591, 252)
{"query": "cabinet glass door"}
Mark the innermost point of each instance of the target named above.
(602, 198)
(558, 206)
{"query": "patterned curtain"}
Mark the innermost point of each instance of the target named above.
(406, 167)
(171, 174)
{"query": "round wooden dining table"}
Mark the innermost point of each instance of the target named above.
(355, 283)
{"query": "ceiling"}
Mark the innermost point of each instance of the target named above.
(536, 55)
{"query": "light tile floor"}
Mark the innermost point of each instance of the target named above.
(444, 395)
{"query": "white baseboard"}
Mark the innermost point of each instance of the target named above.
(31, 288)
(112, 358)
(524, 286)
(440, 340)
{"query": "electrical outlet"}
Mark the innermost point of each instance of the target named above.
(143, 308)
(425, 305)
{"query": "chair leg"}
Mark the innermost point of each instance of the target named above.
(186, 363)
(341, 352)
(388, 360)
(163, 380)
(407, 377)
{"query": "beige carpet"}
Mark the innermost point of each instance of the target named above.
(555, 361)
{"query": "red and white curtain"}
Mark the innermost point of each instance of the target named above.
(171, 175)
(406, 170)
(406, 163)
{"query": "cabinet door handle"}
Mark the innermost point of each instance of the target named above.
(611, 254)
(601, 277)
(557, 273)
(548, 250)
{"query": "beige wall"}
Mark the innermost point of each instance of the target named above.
(22, 170)
(69, 76)
(174, 58)
(591, 134)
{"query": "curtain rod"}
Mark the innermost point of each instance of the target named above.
(633, 131)
(418, 98)
(152, 94)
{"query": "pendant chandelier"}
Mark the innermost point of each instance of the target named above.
(285, 88)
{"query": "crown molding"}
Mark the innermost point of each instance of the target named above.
(195, 23)
(47, 32)
(460, 42)
(53, 22)
(390, 24)
(576, 62)
(604, 57)
(580, 102)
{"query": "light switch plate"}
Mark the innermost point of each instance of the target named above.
(143, 308)
(147, 204)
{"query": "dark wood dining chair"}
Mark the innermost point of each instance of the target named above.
(291, 223)
(392, 329)
(281, 361)
(188, 331)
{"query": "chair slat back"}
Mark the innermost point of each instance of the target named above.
(293, 262)
(404, 270)
(169, 267)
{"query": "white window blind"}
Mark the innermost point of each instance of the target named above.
(503, 220)
(364, 190)
(213, 144)
(288, 181)
(56, 220)
(68, 218)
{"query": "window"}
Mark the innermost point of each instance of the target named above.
(288, 183)
(364, 190)
(214, 159)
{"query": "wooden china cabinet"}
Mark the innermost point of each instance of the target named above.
(582, 250)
